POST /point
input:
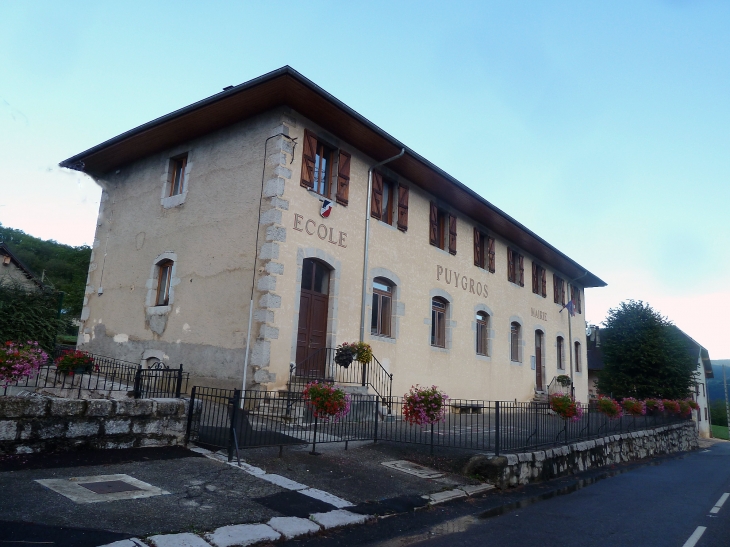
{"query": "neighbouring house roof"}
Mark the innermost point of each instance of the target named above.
(6, 252)
(287, 87)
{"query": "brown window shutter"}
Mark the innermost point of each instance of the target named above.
(572, 295)
(556, 292)
(534, 278)
(376, 204)
(490, 247)
(544, 283)
(403, 208)
(577, 301)
(510, 265)
(308, 154)
(452, 234)
(522, 270)
(343, 178)
(478, 258)
(433, 232)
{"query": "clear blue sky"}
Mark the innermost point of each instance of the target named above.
(602, 126)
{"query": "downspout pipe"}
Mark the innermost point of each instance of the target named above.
(367, 242)
(255, 260)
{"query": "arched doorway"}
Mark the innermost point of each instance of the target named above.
(539, 343)
(312, 330)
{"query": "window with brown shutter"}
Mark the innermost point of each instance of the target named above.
(575, 297)
(558, 290)
(438, 322)
(309, 151)
(521, 261)
(343, 178)
(478, 249)
(441, 229)
(544, 283)
(376, 202)
(403, 208)
(510, 265)
(539, 279)
(433, 225)
(317, 160)
(490, 254)
(452, 234)
(387, 207)
(482, 341)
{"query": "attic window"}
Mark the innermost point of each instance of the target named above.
(177, 178)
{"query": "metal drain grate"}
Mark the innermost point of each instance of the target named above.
(109, 487)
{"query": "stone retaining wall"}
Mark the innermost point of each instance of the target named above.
(36, 424)
(516, 469)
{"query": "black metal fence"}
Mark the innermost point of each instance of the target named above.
(232, 419)
(105, 376)
(321, 366)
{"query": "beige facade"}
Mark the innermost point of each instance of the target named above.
(208, 235)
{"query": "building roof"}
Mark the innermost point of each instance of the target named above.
(287, 87)
(5, 251)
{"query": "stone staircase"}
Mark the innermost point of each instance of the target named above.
(541, 397)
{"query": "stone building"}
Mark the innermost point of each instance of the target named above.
(274, 193)
(12, 270)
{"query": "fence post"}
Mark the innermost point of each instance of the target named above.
(190, 415)
(138, 382)
(178, 387)
(232, 430)
(314, 439)
(496, 428)
(376, 399)
(364, 373)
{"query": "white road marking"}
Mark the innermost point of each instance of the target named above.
(695, 537)
(719, 503)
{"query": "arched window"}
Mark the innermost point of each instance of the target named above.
(577, 357)
(482, 320)
(380, 324)
(315, 276)
(164, 273)
(438, 322)
(561, 353)
(515, 342)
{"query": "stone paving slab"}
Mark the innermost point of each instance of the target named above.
(473, 490)
(134, 542)
(448, 495)
(178, 540)
(242, 535)
(340, 517)
(291, 527)
(326, 497)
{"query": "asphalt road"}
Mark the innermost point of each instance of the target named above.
(667, 502)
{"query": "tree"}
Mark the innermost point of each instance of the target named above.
(28, 314)
(65, 267)
(644, 355)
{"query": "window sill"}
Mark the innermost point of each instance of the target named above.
(439, 349)
(159, 310)
(173, 201)
(439, 249)
(386, 225)
(516, 362)
(382, 338)
(485, 358)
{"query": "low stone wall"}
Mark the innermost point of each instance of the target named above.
(36, 424)
(515, 469)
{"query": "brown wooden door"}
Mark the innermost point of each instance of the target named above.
(312, 329)
(538, 361)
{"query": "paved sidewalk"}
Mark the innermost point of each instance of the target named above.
(206, 497)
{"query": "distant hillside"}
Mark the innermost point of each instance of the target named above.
(65, 267)
(715, 389)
